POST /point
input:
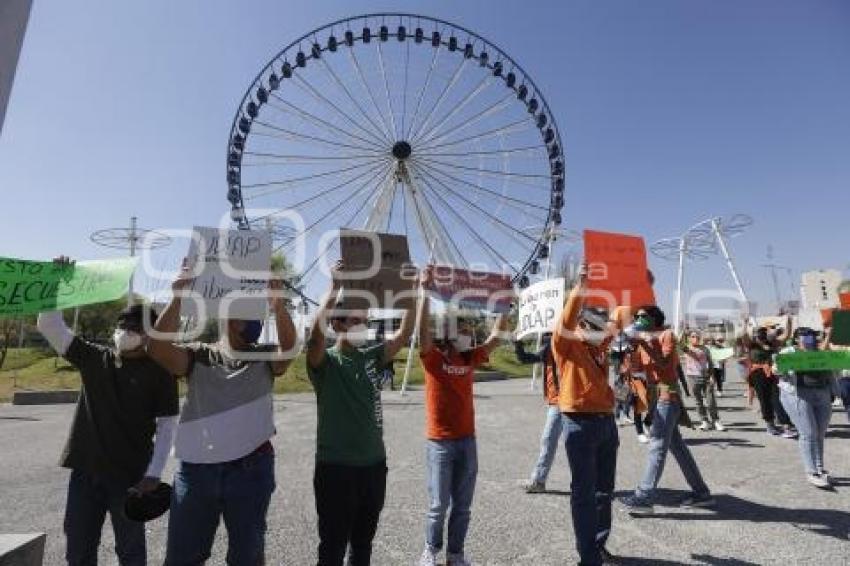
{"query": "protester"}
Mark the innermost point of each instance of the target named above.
(126, 400)
(697, 367)
(718, 370)
(579, 346)
(807, 398)
(223, 440)
(351, 469)
(659, 359)
(449, 362)
(553, 426)
(761, 379)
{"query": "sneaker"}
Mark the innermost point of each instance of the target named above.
(453, 559)
(429, 557)
(771, 429)
(719, 393)
(635, 504)
(643, 439)
(818, 481)
(626, 420)
(697, 500)
(789, 433)
(533, 486)
(825, 475)
(719, 426)
(705, 425)
(607, 557)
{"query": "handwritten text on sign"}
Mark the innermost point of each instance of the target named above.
(28, 287)
(231, 269)
(378, 272)
(472, 289)
(540, 307)
(617, 270)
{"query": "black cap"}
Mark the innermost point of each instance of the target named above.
(132, 316)
(143, 507)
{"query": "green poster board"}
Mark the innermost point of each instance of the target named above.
(840, 335)
(29, 287)
(828, 360)
(721, 354)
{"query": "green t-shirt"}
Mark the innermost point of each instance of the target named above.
(348, 396)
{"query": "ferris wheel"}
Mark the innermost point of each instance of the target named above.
(403, 124)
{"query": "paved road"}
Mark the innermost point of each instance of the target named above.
(767, 514)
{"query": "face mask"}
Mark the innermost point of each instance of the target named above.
(357, 335)
(126, 340)
(809, 342)
(251, 331)
(462, 343)
(642, 323)
(594, 338)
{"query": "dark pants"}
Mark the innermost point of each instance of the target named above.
(591, 443)
(349, 500)
(238, 492)
(767, 391)
(844, 388)
(719, 375)
(89, 498)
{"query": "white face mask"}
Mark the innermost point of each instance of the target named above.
(463, 343)
(126, 340)
(357, 335)
(594, 337)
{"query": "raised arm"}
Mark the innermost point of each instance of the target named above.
(426, 340)
(495, 338)
(286, 333)
(318, 330)
(565, 329)
(524, 357)
(161, 347)
(401, 338)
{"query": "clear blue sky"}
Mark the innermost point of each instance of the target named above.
(671, 111)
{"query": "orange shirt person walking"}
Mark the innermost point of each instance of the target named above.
(580, 344)
(451, 449)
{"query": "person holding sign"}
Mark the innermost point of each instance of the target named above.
(226, 423)
(580, 349)
(121, 433)
(554, 424)
(807, 398)
(761, 349)
(449, 363)
(659, 358)
(351, 464)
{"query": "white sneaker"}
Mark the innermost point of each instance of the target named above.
(643, 439)
(453, 559)
(705, 425)
(825, 475)
(719, 393)
(428, 558)
(626, 420)
(818, 480)
(532, 486)
(719, 426)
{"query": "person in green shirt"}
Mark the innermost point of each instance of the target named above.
(351, 470)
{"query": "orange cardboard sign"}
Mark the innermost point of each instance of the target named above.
(845, 300)
(616, 270)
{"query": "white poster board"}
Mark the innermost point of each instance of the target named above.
(810, 318)
(231, 269)
(540, 307)
(820, 289)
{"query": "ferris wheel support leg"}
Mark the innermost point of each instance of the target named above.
(721, 241)
(133, 236)
(403, 390)
(537, 368)
(680, 279)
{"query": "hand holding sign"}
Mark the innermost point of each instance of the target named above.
(617, 271)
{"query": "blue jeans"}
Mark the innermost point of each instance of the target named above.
(591, 442)
(844, 389)
(548, 444)
(89, 498)
(664, 435)
(237, 491)
(810, 410)
(452, 470)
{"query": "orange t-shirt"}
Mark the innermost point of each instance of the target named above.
(449, 409)
(552, 391)
(665, 344)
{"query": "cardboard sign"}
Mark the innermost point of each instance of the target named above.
(29, 287)
(810, 318)
(472, 289)
(377, 269)
(840, 335)
(617, 270)
(821, 360)
(540, 307)
(231, 269)
(844, 299)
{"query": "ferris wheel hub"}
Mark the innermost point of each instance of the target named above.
(401, 150)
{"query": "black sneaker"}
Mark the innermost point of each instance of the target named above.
(635, 504)
(701, 501)
(607, 557)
